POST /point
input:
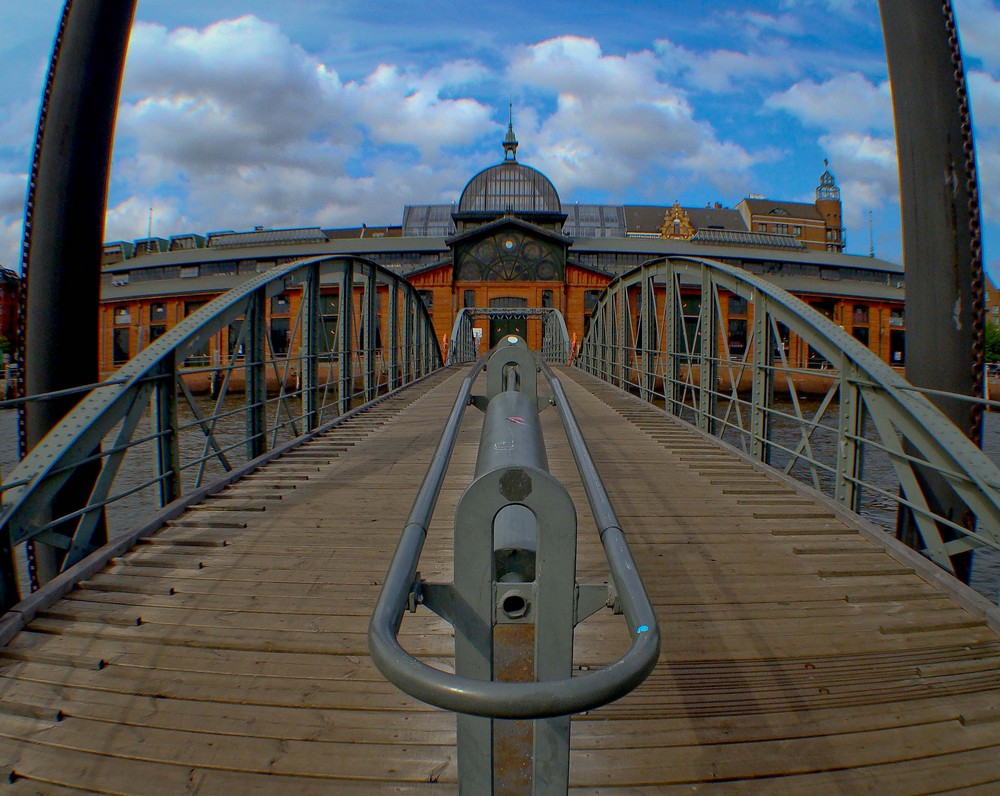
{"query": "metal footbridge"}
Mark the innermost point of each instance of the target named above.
(373, 563)
(735, 630)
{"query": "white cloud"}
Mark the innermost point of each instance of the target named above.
(238, 125)
(724, 71)
(845, 102)
(758, 22)
(867, 170)
(979, 30)
(403, 107)
(617, 123)
(984, 97)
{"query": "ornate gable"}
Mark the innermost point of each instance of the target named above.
(677, 223)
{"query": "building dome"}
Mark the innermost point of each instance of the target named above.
(509, 187)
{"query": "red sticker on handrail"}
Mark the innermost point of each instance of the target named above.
(519, 420)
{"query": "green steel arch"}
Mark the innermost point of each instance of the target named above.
(387, 344)
(645, 336)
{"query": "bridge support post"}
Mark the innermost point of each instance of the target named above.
(407, 356)
(312, 345)
(672, 336)
(345, 336)
(942, 244)
(370, 334)
(647, 320)
(762, 393)
(708, 358)
(167, 442)
(622, 339)
(63, 230)
(394, 358)
(255, 354)
(850, 453)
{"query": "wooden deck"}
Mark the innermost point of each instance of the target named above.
(227, 654)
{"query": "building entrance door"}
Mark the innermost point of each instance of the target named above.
(514, 323)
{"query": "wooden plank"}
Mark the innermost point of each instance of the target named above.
(798, 656)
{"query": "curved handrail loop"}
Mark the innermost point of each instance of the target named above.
(505, 700)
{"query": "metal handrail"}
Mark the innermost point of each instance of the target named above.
(109, 422)
(502, 700)
(638, 340)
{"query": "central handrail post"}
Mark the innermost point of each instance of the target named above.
(515, 536)
(515, 569)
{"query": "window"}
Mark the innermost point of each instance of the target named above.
(546, 299)
(234, 336)
(123, 316)
(120, 346)
(469, 298)
(158, 313)
(796, 231)
(860, 315)
(280, 304)
(737, 306)
(156, 331)
(280, 336)
(897, 347)
(193, 306)
(329, 307)
(737, 337)
(190, 272)
(763, 227)
(691, 312)
(427, 296)
(590, 300)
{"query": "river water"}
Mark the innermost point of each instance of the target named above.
(136, 468)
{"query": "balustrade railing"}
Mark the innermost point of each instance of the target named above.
(746, 361)
(179, 416)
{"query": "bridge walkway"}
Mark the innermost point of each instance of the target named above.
(802, 652)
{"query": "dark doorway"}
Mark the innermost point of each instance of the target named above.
(504, 325)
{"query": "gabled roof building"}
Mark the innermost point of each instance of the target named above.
(510, 244)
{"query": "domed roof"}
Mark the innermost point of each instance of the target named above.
(509, 187)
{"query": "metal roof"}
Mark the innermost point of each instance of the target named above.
(649, 218)
(660, 247)
(739, 238)
(767, 207)
(594, 221)
(266, 237)
(428, 220)
(509, 187)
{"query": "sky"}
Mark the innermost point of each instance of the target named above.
(238, 113)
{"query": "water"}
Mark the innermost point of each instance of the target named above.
(136, 469)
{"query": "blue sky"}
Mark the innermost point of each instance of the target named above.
(312, 112)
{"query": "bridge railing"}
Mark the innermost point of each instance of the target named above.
(178, 417)
(463, 345)
(514, 601)
(746, 361)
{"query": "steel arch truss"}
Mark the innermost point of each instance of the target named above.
(665, 331)
(358, 332)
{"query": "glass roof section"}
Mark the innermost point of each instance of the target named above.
(509, 187)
